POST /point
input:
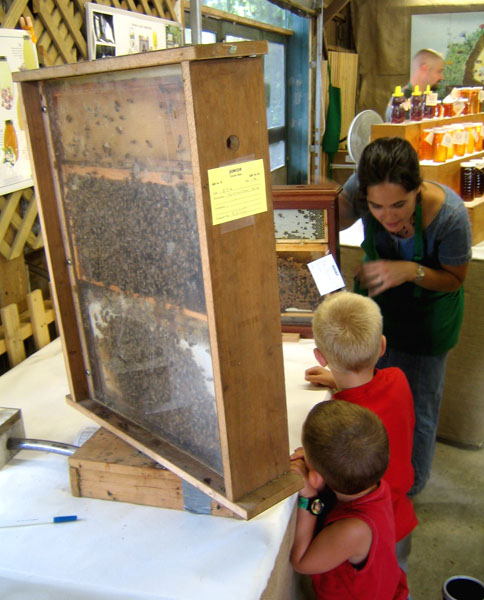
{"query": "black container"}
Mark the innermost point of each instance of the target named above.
(462, 587)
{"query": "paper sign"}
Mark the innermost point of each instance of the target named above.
(17, 53)
(116, 32)
(237, 191)
(326, 275)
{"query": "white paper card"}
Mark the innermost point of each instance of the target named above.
(326, 274)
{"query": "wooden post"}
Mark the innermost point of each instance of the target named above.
(13, 335)
(38, 318)
(13, 281)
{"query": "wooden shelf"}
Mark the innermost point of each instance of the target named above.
(411, 130)
(447, 173)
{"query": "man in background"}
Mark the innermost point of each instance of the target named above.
(427, 69)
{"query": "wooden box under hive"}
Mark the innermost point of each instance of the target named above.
(155, 200)
(107, 468)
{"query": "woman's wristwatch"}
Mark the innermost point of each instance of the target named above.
(420, 273)
(313, 505)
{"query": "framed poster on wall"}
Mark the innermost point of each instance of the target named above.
(17, 53)
(459, 37)
(116, 32)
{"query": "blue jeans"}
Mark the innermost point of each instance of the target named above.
(426, 376)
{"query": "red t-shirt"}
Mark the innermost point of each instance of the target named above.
(388, 395)
(380, 578)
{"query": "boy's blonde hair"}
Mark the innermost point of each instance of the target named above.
(346, 444)
(348, 329)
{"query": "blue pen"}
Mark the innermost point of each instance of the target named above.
(23, 522)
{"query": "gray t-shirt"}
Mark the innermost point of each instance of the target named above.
(447, 239)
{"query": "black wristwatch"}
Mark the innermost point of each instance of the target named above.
(313, 505)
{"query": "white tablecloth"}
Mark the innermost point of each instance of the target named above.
(120, 550)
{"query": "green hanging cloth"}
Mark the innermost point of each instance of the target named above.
(332, 131)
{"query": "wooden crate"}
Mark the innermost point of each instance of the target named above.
(169, 317)
(107, 468)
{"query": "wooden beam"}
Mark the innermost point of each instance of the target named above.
(14, 340)
(333, 9)
(67, 11)
(171, 10)
(14, 13)
(39, 319)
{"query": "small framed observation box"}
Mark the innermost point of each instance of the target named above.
(306, 227)
(152, 172)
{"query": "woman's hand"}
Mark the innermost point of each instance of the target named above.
(320, 376)
(379, 275)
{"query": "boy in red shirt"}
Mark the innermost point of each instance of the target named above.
(347, 329)
(345, 446)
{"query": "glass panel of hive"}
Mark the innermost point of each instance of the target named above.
(130, 219)
(301, 237)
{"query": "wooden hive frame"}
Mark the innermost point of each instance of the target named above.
(239, 273)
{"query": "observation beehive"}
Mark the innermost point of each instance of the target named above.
(152, 173)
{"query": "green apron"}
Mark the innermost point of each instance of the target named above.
(415, 320)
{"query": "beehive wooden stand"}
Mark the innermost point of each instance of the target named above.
(169, 312)
(107, 468)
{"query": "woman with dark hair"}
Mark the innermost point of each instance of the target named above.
(417, 243)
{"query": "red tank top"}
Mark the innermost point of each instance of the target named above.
(388, 395)
(380, 578)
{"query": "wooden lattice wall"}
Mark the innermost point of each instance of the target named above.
(61, 39)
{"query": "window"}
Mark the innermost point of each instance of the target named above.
(219, 30)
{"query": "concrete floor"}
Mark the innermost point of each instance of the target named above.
(449, 539)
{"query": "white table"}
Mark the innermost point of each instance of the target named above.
(120, 550)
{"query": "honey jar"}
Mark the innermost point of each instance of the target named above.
(448, 108)
(467, 181)
(470, 138)
(460, 141)
(480, 141)
(426, 144)
(442, 140)
(478, 177)
(475, 104)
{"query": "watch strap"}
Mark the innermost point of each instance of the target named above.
(314, 505)
(420, 272)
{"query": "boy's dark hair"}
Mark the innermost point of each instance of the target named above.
(389, 160)
(346, 444)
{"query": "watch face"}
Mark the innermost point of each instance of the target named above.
(316, 506)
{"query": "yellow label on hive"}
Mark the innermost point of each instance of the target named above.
(237, 191)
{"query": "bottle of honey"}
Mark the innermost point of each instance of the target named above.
(398, 110)
(429, 103)
(416, 105)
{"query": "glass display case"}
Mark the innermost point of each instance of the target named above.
(306, 227)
